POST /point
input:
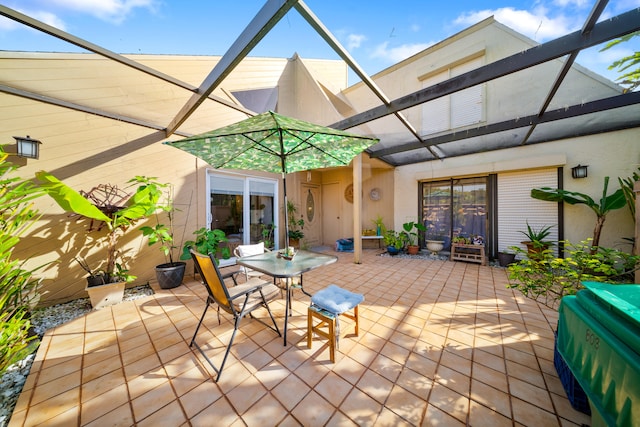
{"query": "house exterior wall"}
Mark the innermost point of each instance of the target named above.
(614, 154)
(84, 150)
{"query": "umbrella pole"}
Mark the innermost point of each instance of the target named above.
(286, 213)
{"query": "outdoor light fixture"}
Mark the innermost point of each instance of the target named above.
(28, 147)
(579, 171)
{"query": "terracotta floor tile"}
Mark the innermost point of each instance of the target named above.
(152, 401)
(415, 382)
(437, 417)
(104, 403)
(55, 387)
(313, 410)
(407, 405)
(494, 399)
(103, 384)
(119, 417)
(361, 408)
(531, 415)
(448, 400)
(440, 343)
(219, 413)
(530, 393)
(333, 388)
(291, 391)
(40, 413)
(481, 415)
(201, 397)
(187, 380)
(375, 385)
(386, 367)
(453, 380)
(246, 394)
(272, 374)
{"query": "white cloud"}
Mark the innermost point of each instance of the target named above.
(396, 54)
(354, 41)
(575, 3)
(115, 11)
(535, 24)
(415, 28)
(7, 24)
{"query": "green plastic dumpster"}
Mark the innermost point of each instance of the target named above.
(599, 339)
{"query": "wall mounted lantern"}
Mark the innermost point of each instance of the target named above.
(28, 147)
(579, 171)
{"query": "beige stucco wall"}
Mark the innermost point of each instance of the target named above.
(85, 150)
(614, 155)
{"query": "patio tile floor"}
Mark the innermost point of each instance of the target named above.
(441, 343)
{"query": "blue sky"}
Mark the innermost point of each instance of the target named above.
(376, 33)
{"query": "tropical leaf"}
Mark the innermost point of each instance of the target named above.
(68, 198)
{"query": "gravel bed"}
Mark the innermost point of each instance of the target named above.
(13, 379)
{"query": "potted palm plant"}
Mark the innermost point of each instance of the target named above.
(118, 218)
(535, 242)
(413, 246)
(171, 273)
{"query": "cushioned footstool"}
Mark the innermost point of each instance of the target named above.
(326, 306)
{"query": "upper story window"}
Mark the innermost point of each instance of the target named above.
(460, 109)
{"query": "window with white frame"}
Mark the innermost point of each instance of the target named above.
(457, 110)
(241, 206)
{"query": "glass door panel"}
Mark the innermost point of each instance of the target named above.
(470, 208)
(262, 213)
(436, 211)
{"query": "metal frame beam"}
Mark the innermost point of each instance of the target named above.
(328, 37)
(259, 26)
(615, 27)
(618, 101)
(84, 44)
(80, 108)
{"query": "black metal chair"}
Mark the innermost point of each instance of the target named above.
(238, 300)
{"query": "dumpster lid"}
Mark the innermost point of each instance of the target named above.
(623, 299)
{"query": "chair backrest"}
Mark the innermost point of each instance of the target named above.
(213, 281)
(247, 250)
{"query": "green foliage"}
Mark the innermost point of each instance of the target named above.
(537, 236)
(143, 203)
(394, 239)
(411, 235)
(548, 279)
(627, 184)
(161, 233)
(18, 290)
(207, 242)
(295, 225)
(267, 234)
(607, 203)
(630, 76)
(379, 223)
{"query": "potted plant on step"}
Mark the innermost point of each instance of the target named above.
(171, 273)
(413, 246)
(535, 242)
(379, 223)
(116, 210)
(394, 241)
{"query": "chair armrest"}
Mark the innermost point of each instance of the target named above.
(231, 275)
(245, 288)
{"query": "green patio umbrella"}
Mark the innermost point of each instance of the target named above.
(274, 143)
